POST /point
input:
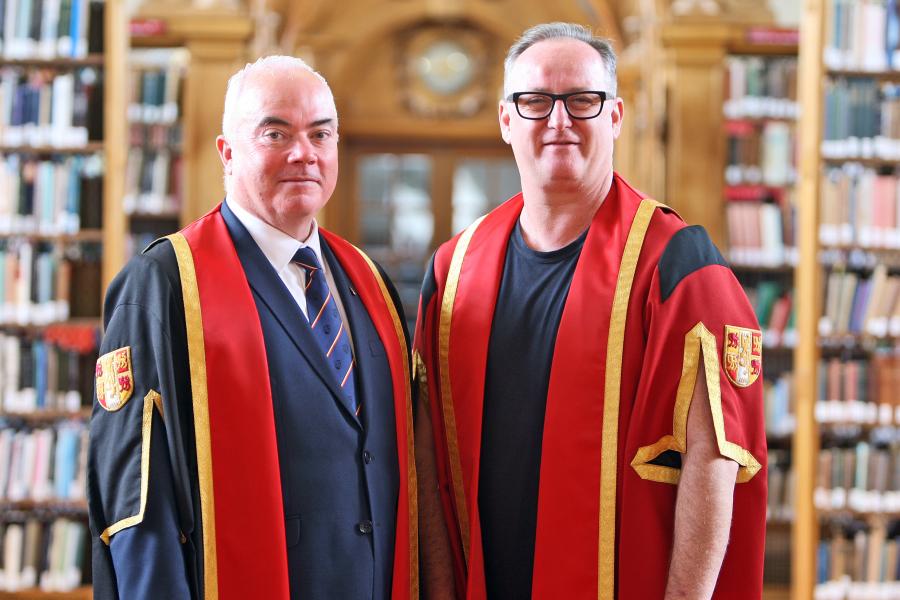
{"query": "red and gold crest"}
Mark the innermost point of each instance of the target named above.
(742, 355)
(115, 381)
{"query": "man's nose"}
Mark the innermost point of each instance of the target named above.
(302, 150)
(559, 116)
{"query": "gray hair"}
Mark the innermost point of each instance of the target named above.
(236, 83)
(556, 31)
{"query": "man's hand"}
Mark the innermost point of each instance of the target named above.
(434, 542)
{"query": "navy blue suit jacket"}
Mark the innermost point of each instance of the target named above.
(339, 472)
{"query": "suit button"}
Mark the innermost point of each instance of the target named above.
(367, 456)
(364, 527)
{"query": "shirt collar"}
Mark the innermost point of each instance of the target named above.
(278, 247)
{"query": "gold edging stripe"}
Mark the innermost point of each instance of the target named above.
(150, 399)
(412, 478)
(606, 559)
(697, 339)
(197, 359)
(447, 301)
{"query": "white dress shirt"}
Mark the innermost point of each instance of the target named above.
(279, 248)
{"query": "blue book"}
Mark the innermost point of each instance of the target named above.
(892, 34)
(65, 461)
(39, 349)
(75, 26)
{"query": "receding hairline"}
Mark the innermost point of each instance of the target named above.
(266, 67)
(560, 31)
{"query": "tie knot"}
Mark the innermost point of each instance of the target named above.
(306, 258)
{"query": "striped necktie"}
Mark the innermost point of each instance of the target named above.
(327, 325)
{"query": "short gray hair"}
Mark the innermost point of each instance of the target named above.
(555, 31)
(236, 82)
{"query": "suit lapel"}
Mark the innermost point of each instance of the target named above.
(269, 287)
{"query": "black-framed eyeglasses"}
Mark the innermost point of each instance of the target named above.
(538, 105)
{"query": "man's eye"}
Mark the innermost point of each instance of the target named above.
(322, 135)
(582, 101)
(273, 135)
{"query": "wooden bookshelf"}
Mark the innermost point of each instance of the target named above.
(89, 148)
(814, 259)
(216, 40)
(706, 126)
(82, 593)
(110, 64)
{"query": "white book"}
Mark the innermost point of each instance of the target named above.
(9, 28)
(70, 575)
(12, 556)
(160, 184)
(63, 104)
(23, 284)
(6, 445)
(22, 47)
(49, 28)
(15, 491)
(874, 55)
(26, 469)
(776, 153)
(771, 234)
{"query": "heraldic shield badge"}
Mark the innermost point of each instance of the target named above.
(742, 355)
(115, 381)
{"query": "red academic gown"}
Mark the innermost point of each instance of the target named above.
(243, 534)
(639, 325)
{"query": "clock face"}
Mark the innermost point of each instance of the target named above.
(444, 66)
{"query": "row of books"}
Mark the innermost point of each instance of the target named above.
(862, 119)
(46, 373)
(44, 107)
(760, 153)
(857, 391)
(780, 474)
(156, 85)
(52, 196)
(36, 281)
(761, 87)
(53, 555)
(47, 464)
(864, 478)
(152, 181)
(859, 561)
(858, 304)
(760, 232)
(773, 303)
(862, 35)
(860, 207)
(51, 28)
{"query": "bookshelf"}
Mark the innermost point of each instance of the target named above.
(847, 361)
(59, 144)
(153, 182)
(732, 102)
(209, 44)
(759, 124)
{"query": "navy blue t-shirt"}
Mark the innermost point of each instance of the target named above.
(529, 306)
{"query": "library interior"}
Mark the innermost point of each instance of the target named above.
(774, 125)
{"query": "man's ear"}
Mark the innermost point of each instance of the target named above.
(224, 149)
(618, 112)
(503, 115)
